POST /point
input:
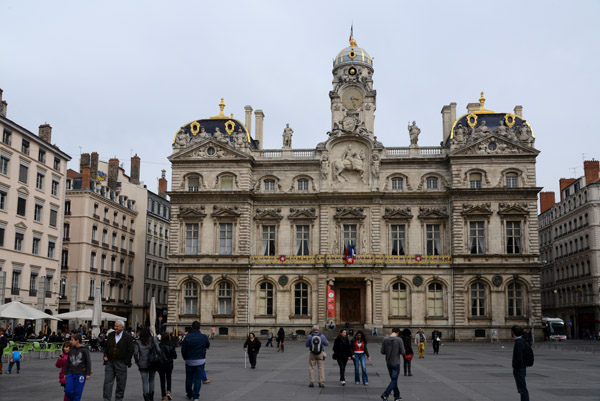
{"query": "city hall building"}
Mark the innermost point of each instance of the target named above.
(354, 231)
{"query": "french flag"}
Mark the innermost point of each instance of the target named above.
(351, 32)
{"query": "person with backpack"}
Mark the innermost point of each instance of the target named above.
(166, 369)
(315, 343)
(521, 360)
(408, 351)
(361, 354)
(342, 353)
(252, 346)
(148, 357)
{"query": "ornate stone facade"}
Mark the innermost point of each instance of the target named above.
(445, 236)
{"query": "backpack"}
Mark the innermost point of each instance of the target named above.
(407, 348)
(528, 355)
(316, 347)
(155, 357)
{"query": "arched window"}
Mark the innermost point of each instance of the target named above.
(265, 298)
(269, 185)
(303, 184)
(193, 183)
(512, 180)
(475, 180)
(399, 299)
(435, 300)
(191, 298)
(225, 298)
(477, 299)
(397, 183)
(301, 299)
(515, 299)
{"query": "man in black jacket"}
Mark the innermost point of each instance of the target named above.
(518, 362)
(436, 339)
(117, 358)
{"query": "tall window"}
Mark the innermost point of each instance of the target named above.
(105, 236)
(225, 297)
(103, 290)
(191, 298)
(35, 248)
(21, 206)
(3, 195)
(23, 171)
(432, 183)
(435, 300)
(62, 287)
(25, 146)
(302, 184)
(476, 237)
(4, 160)
(397, 184)
(226, 238)
(37, 212)
(16, 282)
(515, 299)
(56, 164)
(54, 188)
(433, 239)
(39, 181)
(53, 217)
(51, 248)
(268, 240)
(32, 282)
(265, 299)
(103, 262)
(475, 180)
(42, 155)
(350, 235)
(398, 239)
(301, 299)
(93, 259)
(6, 137)
(399, 299)
(477, 299)
(512, 180)
(227, 182)
(193, 183)
(19, 241)
(302, 240)
(94, 233)
(513, 237)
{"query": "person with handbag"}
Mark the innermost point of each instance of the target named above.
(436, 340)
(164, 373)
(148, 357)
(392, 347)
(408, 351)
(252, 346)
(342, 353)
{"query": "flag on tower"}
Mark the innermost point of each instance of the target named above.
(351, 32)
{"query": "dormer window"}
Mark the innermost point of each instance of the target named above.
(227, 182)
(512, 180)
(397, 184)
(432, 183)
(193, 183)
(302, 184)
(475, 180)
(269, 185)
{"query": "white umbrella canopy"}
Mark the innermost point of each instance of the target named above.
(87, 314)
(17, 310)
(153, 317)
(97, 313)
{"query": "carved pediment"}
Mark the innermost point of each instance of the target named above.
(302, 214)
(397, 213)
(209, 149)
(482, 209)
(513, 209)
(225, 212)
(433, 213)
(192, 213)
(493, 145)
(349, 213)
(21, 225)
(268, 214)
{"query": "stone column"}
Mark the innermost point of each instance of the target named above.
(369, 301)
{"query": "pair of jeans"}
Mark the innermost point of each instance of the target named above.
(114, 370)
(147, 380)
(360, 359)
(269, 342)
(10, 365)
(436, 347)
(193, 380)
(519, 375)
(74, 386)
(342, 363)
(394, 371)
(165, 378)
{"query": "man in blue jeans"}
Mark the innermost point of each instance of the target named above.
(393, 349)
(193, 351)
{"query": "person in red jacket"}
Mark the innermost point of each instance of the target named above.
(61, 362)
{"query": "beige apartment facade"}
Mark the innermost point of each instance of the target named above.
(438, 236)
(32, 198)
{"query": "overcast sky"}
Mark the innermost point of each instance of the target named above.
(120, 77)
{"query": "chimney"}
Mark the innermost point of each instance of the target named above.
(113, 173)
(448, 118)
(471, 107)
(592, 170)
(3, 105)
(547, 200)
(564, 183)
(518, 111)
(85, 178)
(248, 110)
(94, 166)
(134, 177)
(162, 185)
(258, 129)
(84, 161)
(45, 132)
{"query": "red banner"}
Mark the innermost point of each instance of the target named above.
(330, 302)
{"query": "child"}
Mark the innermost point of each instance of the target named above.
(15, 358)
(61, 363)
(77, 369)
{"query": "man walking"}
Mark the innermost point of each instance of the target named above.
(315, 343)
(522, 357)
(436, 339)
(193, 351)
(117, 358)
(393, 349)
(420, 341)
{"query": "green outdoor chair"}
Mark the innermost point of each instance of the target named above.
(5, 357)
(51, 349)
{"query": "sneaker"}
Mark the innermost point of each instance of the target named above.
(356, 382)
(398, 399)
(321, 385)
(366, 384)
(384, 397)
(311, 385)
(343, 382)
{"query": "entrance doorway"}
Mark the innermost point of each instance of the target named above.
(350, 305)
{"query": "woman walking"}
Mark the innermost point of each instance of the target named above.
(342, 353)
(142, 349)
(252, 345)
(166, 368)
(361, 354)
(280, 339)
(408, 352)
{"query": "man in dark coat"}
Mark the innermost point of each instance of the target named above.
(193, 351)
(518, 361)
(436, 339)
(117, 358)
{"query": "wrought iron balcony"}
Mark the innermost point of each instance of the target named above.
(359, 259)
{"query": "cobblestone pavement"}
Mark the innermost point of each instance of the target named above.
(462, 371)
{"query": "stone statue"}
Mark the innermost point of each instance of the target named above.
(325, 166)
(524, 132)
(181, 139)
(287, 137)
(502, 129)
(459, 133)
(482, 129)
(375, 166)
(240, 139)
(351, 160)
(203, 134)
(414, 132)
(221, 136)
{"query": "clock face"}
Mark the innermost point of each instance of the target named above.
(352, 98)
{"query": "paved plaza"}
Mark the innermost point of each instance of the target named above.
(462, 371)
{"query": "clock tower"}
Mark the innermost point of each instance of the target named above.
(353, 95)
